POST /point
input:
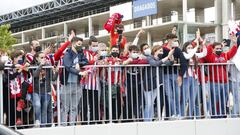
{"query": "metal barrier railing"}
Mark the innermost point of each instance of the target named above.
(116, 93)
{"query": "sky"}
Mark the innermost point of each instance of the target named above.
(8, 6)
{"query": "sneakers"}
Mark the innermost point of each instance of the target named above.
(208, 115)
(173, 117)
(176, 117)
(37, 124)
(179, 117)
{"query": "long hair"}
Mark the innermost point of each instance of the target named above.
(35, 61)
(184, 49)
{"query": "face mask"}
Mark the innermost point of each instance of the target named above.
(4, 58)
(134, 55)
(20, 61)
(42, 61)
(175, 44)
(38, 49)
(115, 54)
(189, 50)
(94, 49)
(104, 53)
(79, 49)
(218, 52)
(160, 56)
(147, 51)
(119, 31)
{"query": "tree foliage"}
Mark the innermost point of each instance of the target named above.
(6, 39)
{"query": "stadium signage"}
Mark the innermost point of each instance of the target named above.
(144, 8)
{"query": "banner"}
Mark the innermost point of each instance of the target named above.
(144, 8)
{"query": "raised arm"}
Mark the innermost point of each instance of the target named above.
(191, 53)
(135, 41)
(58, 54)
(233, 50)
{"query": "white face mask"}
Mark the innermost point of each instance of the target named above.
(4, 58)
(134, 55)
(189, 50)
(147, 51)
(175, 44)
(104, 53)
(94, 49)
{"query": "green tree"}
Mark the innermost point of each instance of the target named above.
(6, 39)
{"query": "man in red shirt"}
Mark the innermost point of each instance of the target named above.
(117, 84)
(117, 38)
(218, 76)
(134, 91)
(115, 27)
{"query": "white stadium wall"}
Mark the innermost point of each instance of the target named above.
(184, 127)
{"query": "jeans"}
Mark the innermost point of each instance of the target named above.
(42, 107)
(207, 95)
(150, 96)
(171, 89)
(190, 95)
(70, 97)
(219, 98)
(234, 88)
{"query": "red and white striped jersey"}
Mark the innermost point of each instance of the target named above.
(91, 82)
(29, 57)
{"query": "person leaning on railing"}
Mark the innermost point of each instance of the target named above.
(42, 79)
(73, 61)
(202, 71)
(117, 84)
(90, 83)
(218, 74)
(190, 90)
(134, 93)
(155, 59)
(12, 88)
(173, 78)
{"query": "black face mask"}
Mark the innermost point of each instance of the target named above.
(20, 61)
(115, 54)
(160, 56)
(119, 31)
(79, 49)
(38, 49)
(238, 41)
(218, 52)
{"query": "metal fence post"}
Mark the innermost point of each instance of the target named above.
(58, 103)
(158, 96)
(110, 94)
(1, 97)
(204, 91)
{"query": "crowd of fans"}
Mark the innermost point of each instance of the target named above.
(30, 80)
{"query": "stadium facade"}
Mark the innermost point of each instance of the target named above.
(52, 21)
